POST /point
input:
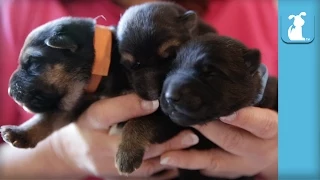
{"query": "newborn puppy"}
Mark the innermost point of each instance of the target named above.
(214, 76)
(54, 81)
(149, 36)
(55, 68)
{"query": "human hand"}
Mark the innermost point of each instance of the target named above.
(249, 146)
(87, 148)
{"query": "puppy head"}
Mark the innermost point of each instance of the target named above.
(213, 76)
(54, 65)
(149, 36)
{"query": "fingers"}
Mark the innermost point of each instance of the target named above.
(104, 113)
(232, 139)
(187, 159)
(262, 123)
(183, 140)
(215, 162)
(230, 166)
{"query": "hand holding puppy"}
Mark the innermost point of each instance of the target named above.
(248, 141)
(87, 147)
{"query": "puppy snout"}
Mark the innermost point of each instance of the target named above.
(172, 95)
(148, 83)
(181, 93)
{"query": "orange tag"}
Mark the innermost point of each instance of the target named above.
(101, 64)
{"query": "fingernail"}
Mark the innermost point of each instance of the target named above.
(149, 105)
(166, 161)
(190, 139)
(228, 118)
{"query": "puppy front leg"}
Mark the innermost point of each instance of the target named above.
(30, 133)
(137, 135)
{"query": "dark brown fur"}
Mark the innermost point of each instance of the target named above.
(149, 36)
(54, 67)
(61, 58)
(214, 76)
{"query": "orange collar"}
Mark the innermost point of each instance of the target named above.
(101, 64)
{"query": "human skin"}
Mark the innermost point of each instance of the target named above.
(85, 148)
(249, 146)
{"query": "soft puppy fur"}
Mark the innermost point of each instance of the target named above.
(214, 76)
(56, 61)
(149, 36)
(55, 65)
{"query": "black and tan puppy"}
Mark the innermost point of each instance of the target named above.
(55, 68)
(56, 65)
(214, 76)
(149, 36)
(55, 71)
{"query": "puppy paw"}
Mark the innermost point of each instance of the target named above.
(16, 137)
(129, 158)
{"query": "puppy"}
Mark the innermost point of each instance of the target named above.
(54, 72)
(214, 76)
(149, 36)
(56, 81)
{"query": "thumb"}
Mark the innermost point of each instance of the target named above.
(104, 113)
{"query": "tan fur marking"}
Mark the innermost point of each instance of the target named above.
(63, 81)
(127, 57)
(162, 49)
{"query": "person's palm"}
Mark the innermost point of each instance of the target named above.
(86, 146)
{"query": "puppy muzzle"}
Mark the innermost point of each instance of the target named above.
(184, 98)
(147, 83)
(33, 96)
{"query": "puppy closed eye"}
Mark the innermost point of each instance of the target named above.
(32, 66)
(209, 70)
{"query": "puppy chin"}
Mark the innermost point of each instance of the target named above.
(25, 108)
(181, 119)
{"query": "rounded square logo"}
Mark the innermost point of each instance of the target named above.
(298, 28)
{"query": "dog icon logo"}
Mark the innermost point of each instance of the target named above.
(297, 28)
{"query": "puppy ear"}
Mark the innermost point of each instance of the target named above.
(189, 19)
(61, 42)
(252, 59)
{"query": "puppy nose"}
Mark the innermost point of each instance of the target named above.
(172, 96)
